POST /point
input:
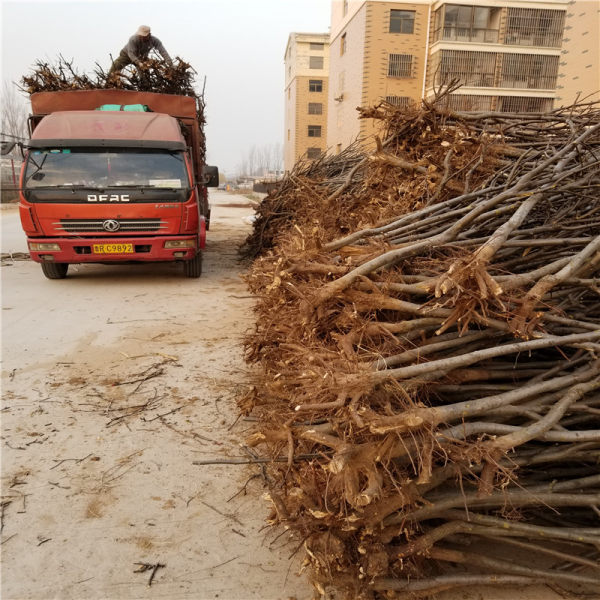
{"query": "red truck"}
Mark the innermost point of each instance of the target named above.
(114, 176)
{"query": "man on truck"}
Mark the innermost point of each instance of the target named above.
(137, 49)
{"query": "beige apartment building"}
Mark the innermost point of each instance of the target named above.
(509, 55)
(306, 90)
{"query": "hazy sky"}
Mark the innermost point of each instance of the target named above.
(237, 44)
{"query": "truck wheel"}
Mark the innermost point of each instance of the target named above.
(54, 270)
(193, 268)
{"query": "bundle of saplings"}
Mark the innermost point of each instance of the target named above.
(427, 354)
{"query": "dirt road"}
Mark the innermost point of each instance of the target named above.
(115, 380)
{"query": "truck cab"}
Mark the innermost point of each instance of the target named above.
(116, 185)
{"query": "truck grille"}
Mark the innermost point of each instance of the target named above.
(97, 225)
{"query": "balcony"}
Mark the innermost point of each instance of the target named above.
(532, 82)
(467, 78)
(534, 27)
(542, 40)
(467, 34)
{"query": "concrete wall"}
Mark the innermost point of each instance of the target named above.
(346, 81)
(339, 19)
(289, 139)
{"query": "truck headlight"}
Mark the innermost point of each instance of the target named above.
(43, 247)
(180, 244)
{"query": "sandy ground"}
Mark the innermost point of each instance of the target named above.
(114, 381)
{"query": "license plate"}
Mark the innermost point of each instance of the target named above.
(112, 248)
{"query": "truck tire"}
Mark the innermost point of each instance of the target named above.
(193, 268)
(54, 270)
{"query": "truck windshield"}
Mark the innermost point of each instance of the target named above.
(101, 168)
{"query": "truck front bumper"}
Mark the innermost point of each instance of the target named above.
(114, 249)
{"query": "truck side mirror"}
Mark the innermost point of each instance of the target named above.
(211, 176)
(6, 147)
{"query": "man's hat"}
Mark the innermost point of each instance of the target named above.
(143, 30)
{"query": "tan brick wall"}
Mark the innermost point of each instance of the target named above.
(364, 66)
(579, 70)
(381, 43)
(303, 119)
(298, 73)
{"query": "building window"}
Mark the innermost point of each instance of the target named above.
(313, 153)
(474, 69)
(343, 44)
(338, 149)
(491, 69)
(315, 62)
(315, 108)
(289, 135)
(315, 85)
(399, 100)
(460, 23)
(535, 27)
(317, 46)
(530, 71)
(314, 131)
(345, 8)
(402, 21)
(469, 102)
(516, 104)
(519, 104)
(400, 65)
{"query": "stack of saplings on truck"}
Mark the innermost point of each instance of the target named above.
(115, 176)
